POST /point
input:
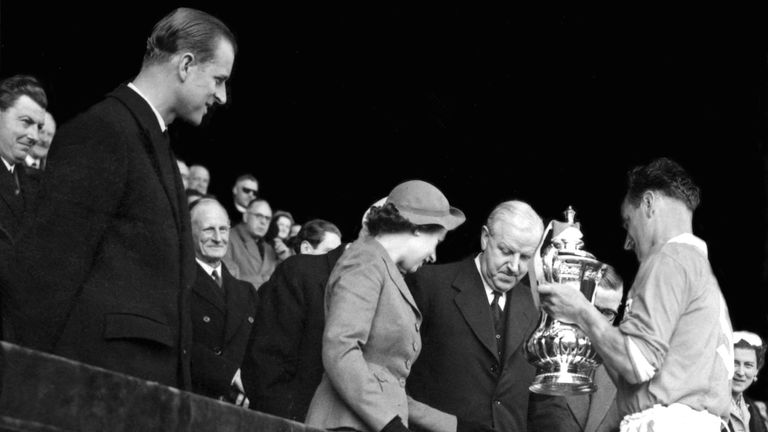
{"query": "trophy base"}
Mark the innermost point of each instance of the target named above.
(562, 384)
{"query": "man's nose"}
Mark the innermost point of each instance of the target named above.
(221, 94)
(33, 134)
(432, 257)
(514, 263)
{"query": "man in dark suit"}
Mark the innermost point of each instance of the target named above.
(223, 309)
(594, 412)
(477, 314)
(107, 263)
(285, 365)
(22, 118)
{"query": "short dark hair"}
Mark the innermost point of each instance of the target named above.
(14, 87)
(187, 29)
(611, 279)
(313, 232)
(666, 176)
(388, 220)
(273, 230)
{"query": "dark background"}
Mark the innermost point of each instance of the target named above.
(332, 106)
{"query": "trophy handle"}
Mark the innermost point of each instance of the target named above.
(536, 271)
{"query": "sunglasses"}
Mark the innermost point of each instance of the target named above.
(253, 192)
(747, 337)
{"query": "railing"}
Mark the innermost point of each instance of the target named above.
(42, 392)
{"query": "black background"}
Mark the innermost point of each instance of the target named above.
(331, 106)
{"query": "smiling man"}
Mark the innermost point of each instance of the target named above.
(22, 116)
(112, 198)
(672, 356)
(223, 309)
(477, 314)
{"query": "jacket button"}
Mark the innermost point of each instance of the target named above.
(417, 326)
(206, 319)
(407, 364)
(250, 320)
(402, 382)
(217, 351)
(415, 346)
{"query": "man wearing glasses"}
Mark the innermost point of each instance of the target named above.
(595, 412)
(246, 189)
(249, 257)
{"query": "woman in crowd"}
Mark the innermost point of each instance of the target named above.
(371, 336)
(278, 233)
(749, 355)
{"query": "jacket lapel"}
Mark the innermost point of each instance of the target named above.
(473, 305)
(206, 288)
(237, 304)
(157, 145)
(601, 400)
(7, 191)
(520, 311)
(394, 274)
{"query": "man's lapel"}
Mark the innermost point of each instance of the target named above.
(473, 305)
(520, 311)
(206, 288)
(237, 304)
(601, 400)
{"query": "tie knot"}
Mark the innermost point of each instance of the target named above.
(496, 297)
(216, 277)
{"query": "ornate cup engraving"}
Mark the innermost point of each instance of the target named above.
(563, 355)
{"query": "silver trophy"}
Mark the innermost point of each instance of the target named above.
(563, 355)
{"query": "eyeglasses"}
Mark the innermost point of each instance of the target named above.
(250, 191)
(747, 337)
(260, 216)
(609, 314)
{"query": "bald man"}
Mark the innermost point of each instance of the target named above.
(199, 178)
(223, 309)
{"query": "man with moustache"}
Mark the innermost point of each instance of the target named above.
(223, 309)
(106, 263)
(477, 314)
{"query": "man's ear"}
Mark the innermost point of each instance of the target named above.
(649, 201)
(186, 61)
(305, 247)
(484, 235)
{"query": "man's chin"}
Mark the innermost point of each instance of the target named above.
(505, 284)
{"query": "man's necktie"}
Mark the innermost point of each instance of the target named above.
(216, 277)
(498, 323)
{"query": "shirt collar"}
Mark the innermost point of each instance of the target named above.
(163, 126)
(8, 165)
(690, 239)
(488, 290)
(207, 267)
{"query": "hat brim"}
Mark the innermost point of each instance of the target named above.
(450, 221)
